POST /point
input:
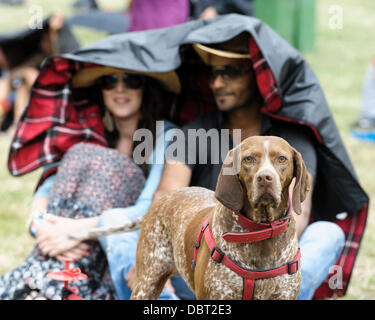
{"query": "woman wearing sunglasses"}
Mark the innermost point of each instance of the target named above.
(92, 178)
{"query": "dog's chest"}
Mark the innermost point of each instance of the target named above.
(223, 283)
(229, 286)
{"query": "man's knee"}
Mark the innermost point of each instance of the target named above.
(321, 240)
(328, 231)
(321, 245)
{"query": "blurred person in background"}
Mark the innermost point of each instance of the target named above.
(21, 54)
(139, 15)
(204, 9)
(367, 107)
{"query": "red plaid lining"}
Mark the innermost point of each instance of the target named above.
(353, 228)
(265, 79)
(51, 124)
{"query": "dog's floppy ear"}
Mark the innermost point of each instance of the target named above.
(302, 185)
(228, 187)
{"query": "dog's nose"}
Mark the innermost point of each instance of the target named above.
(265, 178)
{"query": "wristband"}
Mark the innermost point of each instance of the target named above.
(34, 225)
(34, 220)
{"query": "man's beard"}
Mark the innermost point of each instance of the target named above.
(247, 104)
(236, 108)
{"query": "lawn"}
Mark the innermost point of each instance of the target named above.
(340, 61)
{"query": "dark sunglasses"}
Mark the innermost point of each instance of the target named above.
(227, 72)
(131, 81)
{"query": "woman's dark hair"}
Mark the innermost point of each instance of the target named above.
(156, 105)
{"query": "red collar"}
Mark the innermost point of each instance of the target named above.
(249, 276)
(258, 231)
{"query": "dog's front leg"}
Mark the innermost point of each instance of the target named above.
(154, 264)
(148, 288)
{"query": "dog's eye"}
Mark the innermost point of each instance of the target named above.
(249, 159)
(282, 159)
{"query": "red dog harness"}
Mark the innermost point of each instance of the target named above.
(262, 231)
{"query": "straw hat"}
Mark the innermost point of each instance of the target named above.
(235, 48)
(86, 77)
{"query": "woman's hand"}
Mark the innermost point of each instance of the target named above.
(53, 237)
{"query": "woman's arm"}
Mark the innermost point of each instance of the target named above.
(162, 178)
(158, 170)
(50, 231)
(39, 204)
(175, 175)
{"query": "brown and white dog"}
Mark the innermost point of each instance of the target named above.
(241, 262)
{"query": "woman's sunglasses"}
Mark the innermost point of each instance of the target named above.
(227, 72)
(131, 81)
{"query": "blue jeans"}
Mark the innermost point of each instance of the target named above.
(321, 244)
(120, 250)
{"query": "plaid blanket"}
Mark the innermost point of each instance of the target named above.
(52, 123)
(265, 79)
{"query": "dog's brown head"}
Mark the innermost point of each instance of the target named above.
(256, 175)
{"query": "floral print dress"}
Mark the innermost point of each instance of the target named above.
(90, 179)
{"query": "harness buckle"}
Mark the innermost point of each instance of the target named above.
(193, 265)
(205, 226)
(282, 220)
(292, 267)
(217, 255)
(287, 217)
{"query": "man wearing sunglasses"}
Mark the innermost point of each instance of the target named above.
(239, 100)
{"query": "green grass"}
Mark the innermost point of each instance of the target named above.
(15, 196)
(339, 61)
